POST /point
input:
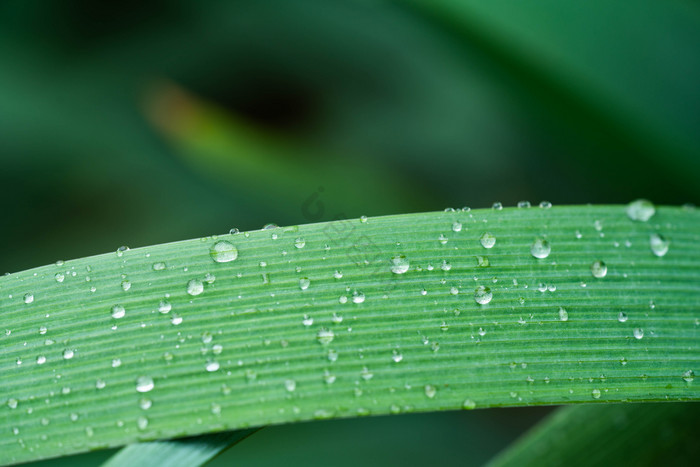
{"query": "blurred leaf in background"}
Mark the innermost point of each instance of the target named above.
(145, 122)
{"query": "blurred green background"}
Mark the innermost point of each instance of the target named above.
(133, 123)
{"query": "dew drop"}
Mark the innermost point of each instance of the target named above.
(100, 384)
(195, 287)
(126, 285)
(116, 362)
(563, 314)
(325, 336)
(68, 354)
(689, 376)
(638, 333)
(595, 393)
(659, 245)
(483, 295)
(399, 264)
(599, 269)
(144, 384)
(497, 206)
(396, 356)
(304, 283)
(142, 423)
(145, 403)
(487, 240)
(159, 266)
(430, 390)
(523, 204)
(545, 205)
(300, 243)
(358, 297)
(640, 210)
(468, 404)
(59, 276)
(164, 306)
(212, 366)
(540, 248)
(118, 311)
(366, 374)
(290, 385)
(28, 298)
(223, 252)
(456, 226)
(622, 317)
(12, 403)
(176, 319)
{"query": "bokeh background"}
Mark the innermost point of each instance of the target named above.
(133, 123)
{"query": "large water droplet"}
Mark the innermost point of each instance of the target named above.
(640, 210)
(659, 245)
(195, 287)
(223, 252)
(487, 239)
(599, 269)
(540, 248)
(399, 264)
(144, 384)
(483, 295)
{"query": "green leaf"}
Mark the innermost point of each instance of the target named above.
(186, 452)
(365, 316)
(619, 434)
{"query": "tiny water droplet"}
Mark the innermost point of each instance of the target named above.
(159, 266)
(325, 336)
(126, 285)
(595, 393)
(599, 269)
(164, 306)
(622, 317)
(304, 283)
(563, 314)
(358, 297)
(468, 404)
(497, 206)
(144, 384)
(12, 403)
(638, 333)
(195, 287)
(121, 250)
(689, 376)
(299, 243)
(659, 245)
(68, 354)
(442, 239)
(487, 240)
(28, 298)
(212, 366)
(142, 423)
(290, 385)
(456, 226)
(399, 264)
(396, 356)
(59, 276)
(175, 319)
(540, 248)
(430, 390)
(640, 210)
(118, 311)
(483, 295)
(545, 204)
